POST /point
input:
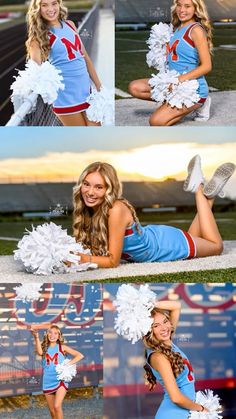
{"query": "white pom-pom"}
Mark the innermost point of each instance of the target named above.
(65, 372)
(160, 34)
(102, 106)
(44, 79)
(184, 94)
(161, 84)
(210, 402)
(45, 249)
(167, 88)
(134, 305)
(28, 292)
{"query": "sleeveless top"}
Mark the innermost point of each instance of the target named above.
(66, 50)
(183, 55)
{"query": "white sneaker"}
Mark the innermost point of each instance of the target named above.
(221, 176)
(203, 114)
(195, 176)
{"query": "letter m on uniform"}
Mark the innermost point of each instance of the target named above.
(172, 50)
(54, 359)
(70, 46)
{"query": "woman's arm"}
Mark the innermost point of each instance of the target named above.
(200, 41)
(77, 356)
(90, 67)
(35, 53)
(119, 218)
(174, 307)
(161, 364)
(38, 346)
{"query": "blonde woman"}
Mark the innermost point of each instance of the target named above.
(166, 363)
(53, 352)
(188, 53)
(52, 37)
(107, 223)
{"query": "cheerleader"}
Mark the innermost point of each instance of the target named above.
(107, 223)
(189, 54)
(54, 352)
(166, 363)
(52, 37)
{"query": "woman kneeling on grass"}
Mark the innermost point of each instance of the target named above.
(107, 223)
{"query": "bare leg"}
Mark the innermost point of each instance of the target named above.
(60, 395)
(165, 115)
(209, 241)
(50, 398)
(73, 120)
(140, 89)
(90, 123)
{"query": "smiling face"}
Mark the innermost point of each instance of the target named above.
(185, 11)
(53, 334)
(93, 190)
(50, 10)
(162, 328)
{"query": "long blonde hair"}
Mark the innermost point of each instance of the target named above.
(38, 27)
(46, 341)
(150, 341)
(201, 16)
(91, 228)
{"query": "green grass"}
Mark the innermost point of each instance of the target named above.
(132, 65)
(7, 247)
(220, 275)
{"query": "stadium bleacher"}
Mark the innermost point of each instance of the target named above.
(22, 197)
(153, 11)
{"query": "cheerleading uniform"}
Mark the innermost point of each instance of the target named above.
(185, 382)
(67, 56)
(183, 56)
(53, 357)
(157, 243)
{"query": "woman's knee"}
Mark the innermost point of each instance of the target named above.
(133, 88)
(156, 120)
(57, 407)
(219, 247)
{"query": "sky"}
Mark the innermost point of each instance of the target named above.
(60, 154)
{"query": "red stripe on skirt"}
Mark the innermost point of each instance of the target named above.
(71, 109)
(191, 244)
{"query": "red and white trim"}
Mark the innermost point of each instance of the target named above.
(192, 250)
(67, 110)
(187, 34)
(62, 384)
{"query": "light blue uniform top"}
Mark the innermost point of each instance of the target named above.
(53, 357)
(185, 382)
(183, 55)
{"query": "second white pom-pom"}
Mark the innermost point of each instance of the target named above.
(66, 372)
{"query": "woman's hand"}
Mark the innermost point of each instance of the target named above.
(182, 78)
(34, 332)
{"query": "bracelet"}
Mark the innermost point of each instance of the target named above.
(202, 408)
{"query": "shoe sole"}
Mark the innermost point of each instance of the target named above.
(219, 179)
(189, 185)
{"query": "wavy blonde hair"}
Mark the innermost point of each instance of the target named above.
(151, 342)
(201, 16)
(46, 342)
(91, 228)
(38, 27)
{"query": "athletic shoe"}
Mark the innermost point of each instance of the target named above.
(203, 113)
(221, 176)
(195, 176)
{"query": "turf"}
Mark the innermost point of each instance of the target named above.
(132, 65)
(220, 275)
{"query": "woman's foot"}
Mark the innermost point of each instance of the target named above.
(195, 176)
(221, 176)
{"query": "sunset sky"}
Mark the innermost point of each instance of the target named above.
(52, 154)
